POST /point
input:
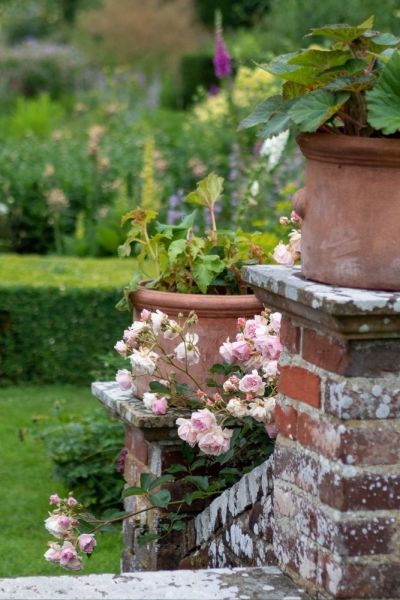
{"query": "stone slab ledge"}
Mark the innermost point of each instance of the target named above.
(267, 583)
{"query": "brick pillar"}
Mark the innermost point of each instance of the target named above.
(337, 466)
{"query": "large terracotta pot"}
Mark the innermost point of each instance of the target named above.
(351, 210)
(217, 320)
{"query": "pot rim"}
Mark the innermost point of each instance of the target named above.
(350, 150)
(206, 305)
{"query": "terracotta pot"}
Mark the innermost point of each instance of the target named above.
(351, 210)
(217, 320)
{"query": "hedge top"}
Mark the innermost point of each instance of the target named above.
(64, 272)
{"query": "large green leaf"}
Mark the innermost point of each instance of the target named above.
(321, 59)
(176, 248)
(314, 109)
(263, 112)
(343, 33)
(383, 102)
(161, 499)
(208, 191)
(205, 270)
(278, 123)
(281, 67)
(351, 84)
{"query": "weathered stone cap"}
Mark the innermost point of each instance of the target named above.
(348, 312)
(131, 410)
(267, 583)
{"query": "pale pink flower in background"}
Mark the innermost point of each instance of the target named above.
(231, 384)
(270, 368)
(186, 431)
(253, 383)
(187, 351)
(275, 321)
(269, 406)
(283, 220)
(282, 255)
(203, 420)
(294, 217)
(121, 348)
(58, 525)
(69, 558)
(72, 501)
(226, 351)
(160, 406)
(87, 542)
(131, 333)
(157, 318)
(148, 399)
(55, 499)
(241, 350)
(272, 347)
(172, 330)
(236, 408)
(257, 410)
(143, 361)
(124, 379)
(295, 242)
(145, 315)
(215, 441)
(250, 327)
(53, 554)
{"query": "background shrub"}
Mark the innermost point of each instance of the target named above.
(58, 316)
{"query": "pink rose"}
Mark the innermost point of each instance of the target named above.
(203, 420)
(294, 217)
(87, 542)
(241, 351)
(69, 558)
(282, 255)
(159, 406)
(270, 368)
(253, 383)
(275, 321)
(295, 242)
(187, 351)
(250, 328)
(72, 501)
(55, 499)
(226, 351)
(186, 431)
(121, 348)
(145, 315)
(53, 554)
(157, 318)
(58, 525)
(216, 441)
(131, 333)
(273, 347)
(124, 379)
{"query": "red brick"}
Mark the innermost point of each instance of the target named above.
(318, 435)
(290, 336)
(324, 351)
(295, 552)
(363, 491)
(295, 466)
(300, 384)
(346, 400)
(286, 420)
(140, 448)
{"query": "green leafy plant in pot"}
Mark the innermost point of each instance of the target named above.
(344, 102)
(179, 270)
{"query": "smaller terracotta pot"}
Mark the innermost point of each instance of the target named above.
(217, 315)
(351, 210)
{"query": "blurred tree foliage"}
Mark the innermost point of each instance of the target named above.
(235, 13)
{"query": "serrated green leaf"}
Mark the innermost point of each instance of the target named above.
(341, 32)
(263, 112)
(176, 468)
(291, 89)
(383, 39)
(321, 59)
(278, 123)
(314, 109)
(205, 269)
(208, 191)
(145, 538)
(186, 223)
(133, 491)
(351, 84)
(161, 480)
(383, 102)
(159, 388)
(199, 481)
(176, 248)
(200, 462)
(161, 499)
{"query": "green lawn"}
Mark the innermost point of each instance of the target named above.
(26, 482)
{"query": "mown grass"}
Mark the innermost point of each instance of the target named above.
(26, 482)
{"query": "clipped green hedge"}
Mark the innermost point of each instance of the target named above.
(58, 316)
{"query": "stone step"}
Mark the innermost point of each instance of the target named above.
(267, 583)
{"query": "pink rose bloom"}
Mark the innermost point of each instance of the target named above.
(55, 499)
(121, 348)
(282, 255)
(294, 217)
(72, 501)
(131, 333)
(53, 554)
(216, 441)
(87, 542)
(241, 351)
(124, 379)
(270, 368)
(186, 431)
(283, 220)
(69, 558)
(275, 321)
(187, 351)
(226, 351)
(295, 242)
(253, 383)
(145, 315)
(159, 406)
(273, 347)
(148, 399)
(203, 420)
(157, 319)
(58, 525)
(250, 328)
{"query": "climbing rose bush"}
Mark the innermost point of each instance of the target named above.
(290, 253)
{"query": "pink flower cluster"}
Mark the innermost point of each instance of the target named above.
(63, 525)
(202, 429)
(288, 254)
